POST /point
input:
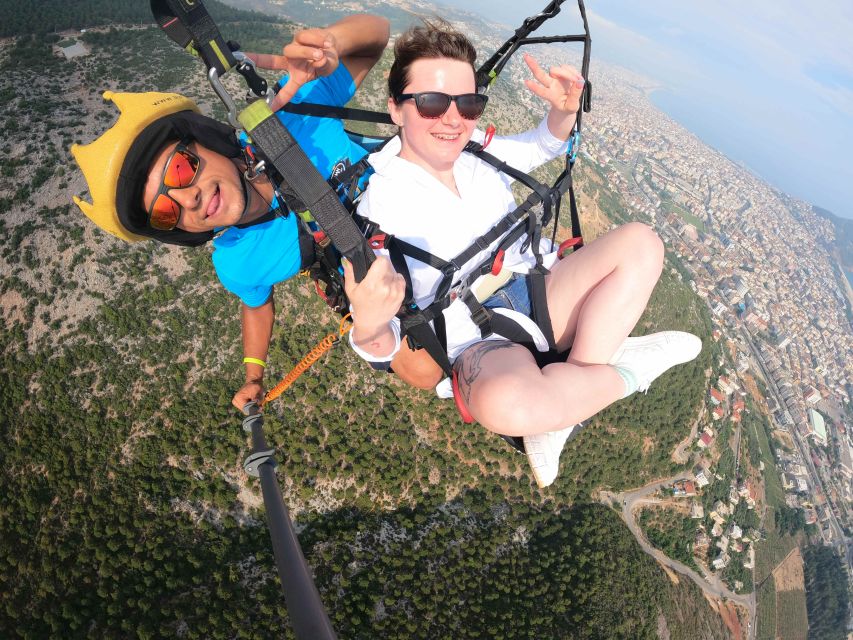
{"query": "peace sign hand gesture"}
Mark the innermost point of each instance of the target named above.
(312, 54)
(561, 86)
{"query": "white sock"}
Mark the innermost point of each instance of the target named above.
(629, 379)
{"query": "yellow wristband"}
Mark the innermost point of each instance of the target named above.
(255, 361)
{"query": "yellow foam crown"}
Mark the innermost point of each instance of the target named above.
(102, 160)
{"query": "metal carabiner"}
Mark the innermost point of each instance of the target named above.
(227, 100)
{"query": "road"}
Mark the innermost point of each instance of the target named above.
(841, 542)
(710, 584)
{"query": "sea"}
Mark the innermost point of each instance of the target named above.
(703, 120)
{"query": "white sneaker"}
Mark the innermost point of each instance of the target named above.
(647, 357)
(543, 452)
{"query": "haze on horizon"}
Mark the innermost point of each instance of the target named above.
(770, 84)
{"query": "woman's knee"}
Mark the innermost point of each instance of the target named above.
(647, 250)
(488, 398)
(512, 408)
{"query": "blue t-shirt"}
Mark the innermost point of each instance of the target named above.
(250, 261)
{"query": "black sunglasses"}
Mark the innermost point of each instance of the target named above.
(434, 104)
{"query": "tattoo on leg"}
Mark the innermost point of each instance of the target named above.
(469, 367)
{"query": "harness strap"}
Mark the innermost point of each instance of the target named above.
(346, 183)
(415, 326)
(188, 23)
(276, 144)
(479, 314)
(510, 329)
(414, 322)
(475, 148)
(340, 113)
(353, 172)
(539, 305)
(398, 260)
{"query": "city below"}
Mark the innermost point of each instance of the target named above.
(779, 300)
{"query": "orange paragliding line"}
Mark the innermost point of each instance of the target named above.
(322, 347)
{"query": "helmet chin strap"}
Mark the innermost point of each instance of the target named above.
(245, 183)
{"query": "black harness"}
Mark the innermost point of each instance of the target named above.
(524, 222)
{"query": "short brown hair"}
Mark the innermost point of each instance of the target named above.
(436, 38)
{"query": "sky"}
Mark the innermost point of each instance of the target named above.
(768, 83)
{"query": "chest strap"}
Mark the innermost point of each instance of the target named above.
(296, 170)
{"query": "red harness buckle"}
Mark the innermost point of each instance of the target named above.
(377, 241)
(577, 243)
(498, 263)
(467, 418)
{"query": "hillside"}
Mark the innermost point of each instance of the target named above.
(843, 237)
(127, 511)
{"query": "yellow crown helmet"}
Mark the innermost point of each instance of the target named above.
(103, 160)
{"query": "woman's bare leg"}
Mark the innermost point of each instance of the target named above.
(505, 390)
(597, 294)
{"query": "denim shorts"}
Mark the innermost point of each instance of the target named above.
(513, 295)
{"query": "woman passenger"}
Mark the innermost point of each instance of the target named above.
(428, 193)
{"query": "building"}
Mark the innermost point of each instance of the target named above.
(74, 51)
(845, 458)
(812, 396)
(726, 385)
(817, 426)
(683, 489)
(716, 396)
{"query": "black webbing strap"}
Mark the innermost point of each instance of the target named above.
(196, 23)
(489, 322)
(170, 23)
(576, 222)
(527, 180)
(440, 327)
(492, 67)
(479, 314)
(539, 304)
(565, 184)
(509, 329)
(352, 172)
(414, 322)
(272, 139)
(340, 113)
(398, 260)
(415, 326)
(495, 64)
(346, 183)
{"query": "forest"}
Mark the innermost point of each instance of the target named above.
(826, 593)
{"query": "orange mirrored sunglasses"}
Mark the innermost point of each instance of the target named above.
(180, 172)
